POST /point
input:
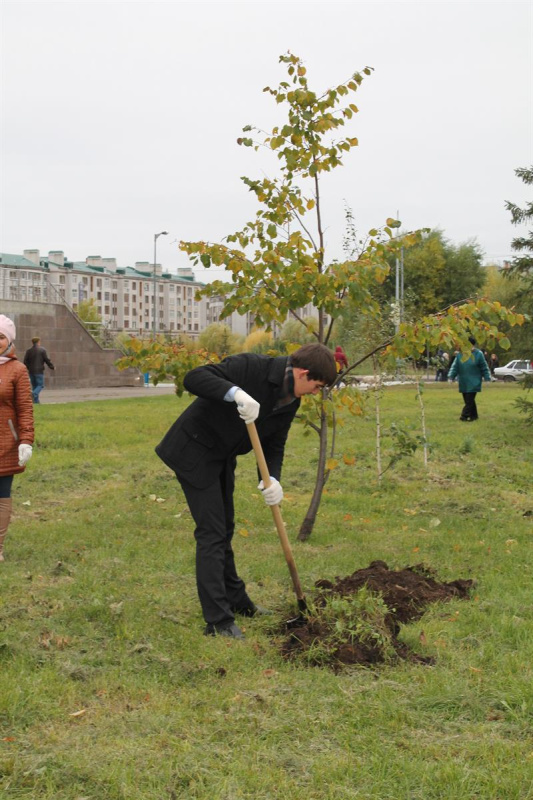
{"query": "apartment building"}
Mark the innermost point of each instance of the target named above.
(136, 299)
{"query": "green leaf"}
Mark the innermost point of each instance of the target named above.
(504, 343)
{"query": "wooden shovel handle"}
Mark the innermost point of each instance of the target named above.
(276, 513)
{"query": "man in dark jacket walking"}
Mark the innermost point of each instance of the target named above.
(470, 373)
(34, 360)
(202, 448)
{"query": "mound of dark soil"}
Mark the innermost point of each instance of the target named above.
(406, 593)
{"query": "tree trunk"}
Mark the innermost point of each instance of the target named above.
(310, 517)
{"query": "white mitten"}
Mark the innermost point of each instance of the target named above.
(25, 453)
(247, 407)
(274, 494)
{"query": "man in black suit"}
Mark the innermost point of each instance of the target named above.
(202, 448)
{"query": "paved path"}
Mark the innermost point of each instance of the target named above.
(49, 396)
(114, 392)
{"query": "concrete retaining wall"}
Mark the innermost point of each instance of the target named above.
(78, 359)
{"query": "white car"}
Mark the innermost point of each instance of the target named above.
(514, 371)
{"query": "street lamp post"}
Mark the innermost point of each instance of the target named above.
(156, 237)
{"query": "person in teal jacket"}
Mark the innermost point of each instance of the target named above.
(470, 373)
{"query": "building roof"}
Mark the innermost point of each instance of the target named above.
(10, 260)
(14, 260)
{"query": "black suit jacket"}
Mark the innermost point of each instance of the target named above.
(210, 431)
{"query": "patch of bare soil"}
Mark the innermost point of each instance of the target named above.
(406, 594)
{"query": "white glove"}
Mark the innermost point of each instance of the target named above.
(274, 494)
(247, 407)
(25, 453)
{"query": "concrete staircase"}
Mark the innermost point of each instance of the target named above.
(79, 361)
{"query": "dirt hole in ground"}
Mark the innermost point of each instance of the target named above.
(357, 619)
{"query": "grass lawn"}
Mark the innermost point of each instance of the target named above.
(109, 690)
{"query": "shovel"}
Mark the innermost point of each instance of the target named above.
(280, 525)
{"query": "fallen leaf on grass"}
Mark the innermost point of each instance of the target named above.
(434, 523)
(79, 713)
(475, 669)
(423, 639)
(347, 517)
(269, 673)
(411, 511)
(243, 532)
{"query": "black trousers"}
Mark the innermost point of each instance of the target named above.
(470, 409)
(220, 589)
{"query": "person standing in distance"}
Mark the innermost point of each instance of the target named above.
(470, 373)
(16, 421)
(202, 448)
(34, 360)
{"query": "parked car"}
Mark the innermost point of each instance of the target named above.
(514, 370)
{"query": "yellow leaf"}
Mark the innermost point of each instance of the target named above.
(410, 511)
(349, 460)
(243, 532)
(331, 463)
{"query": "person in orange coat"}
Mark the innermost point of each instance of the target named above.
(16, 421)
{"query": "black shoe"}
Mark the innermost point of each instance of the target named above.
(253, 611)
(231, 631)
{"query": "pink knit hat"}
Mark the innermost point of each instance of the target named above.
(7, 327)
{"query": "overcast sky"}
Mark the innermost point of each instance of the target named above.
(120, 119)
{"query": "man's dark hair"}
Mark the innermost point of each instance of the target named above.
(319, 360)
(35, 340)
